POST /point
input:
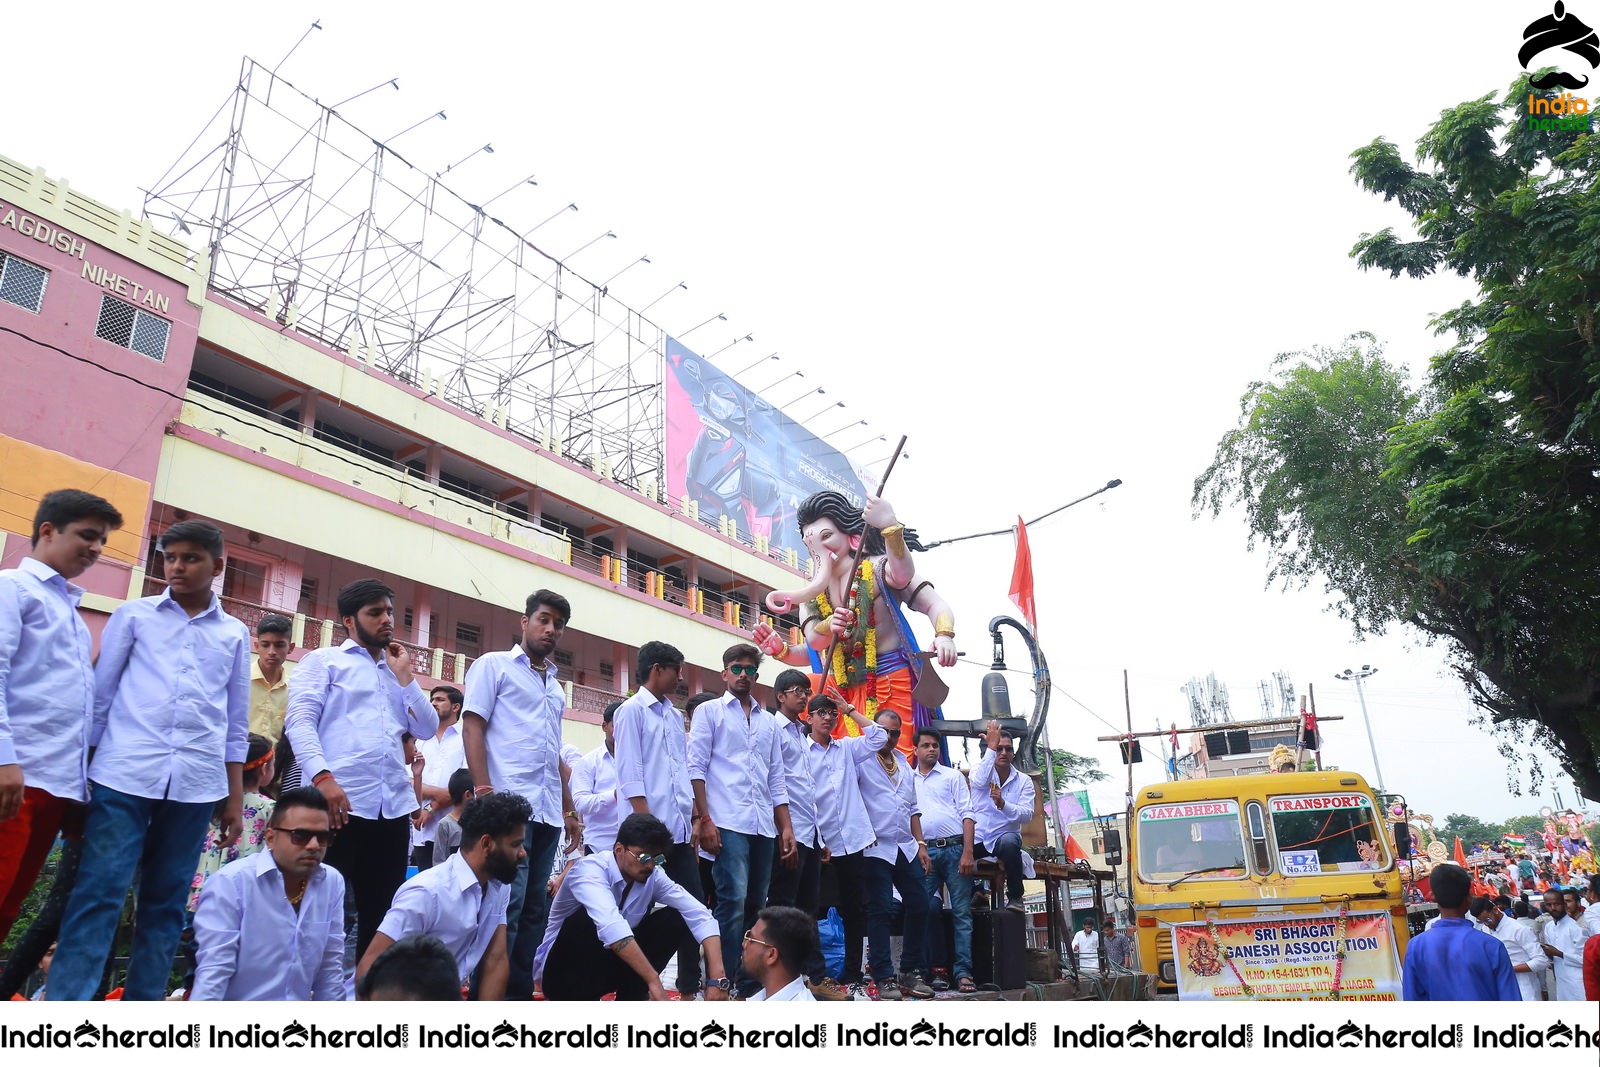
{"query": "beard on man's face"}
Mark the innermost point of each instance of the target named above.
(369, 638)
(502, 868)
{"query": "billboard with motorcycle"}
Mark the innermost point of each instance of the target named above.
(734, 454)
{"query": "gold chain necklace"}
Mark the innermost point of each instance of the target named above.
(887, 762)
(298, 897)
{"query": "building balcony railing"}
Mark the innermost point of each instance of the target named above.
(437, 664)
(264, 436)
(202, 409)
(308, 633)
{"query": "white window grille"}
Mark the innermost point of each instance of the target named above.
(22, 283)
(123, 324)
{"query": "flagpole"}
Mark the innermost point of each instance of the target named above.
(1050, 754)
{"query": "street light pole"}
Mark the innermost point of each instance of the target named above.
(1348, 675)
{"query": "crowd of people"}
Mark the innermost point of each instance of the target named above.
(1503, 948)
(322, 829)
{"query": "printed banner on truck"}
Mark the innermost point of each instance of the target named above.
(1294, 958)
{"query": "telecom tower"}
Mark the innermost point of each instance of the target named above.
(1208, 701)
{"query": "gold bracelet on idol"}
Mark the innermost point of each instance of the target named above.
(895, 537)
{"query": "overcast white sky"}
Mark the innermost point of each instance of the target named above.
(1052, 245)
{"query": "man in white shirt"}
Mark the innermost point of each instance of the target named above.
(797, 882)
(271, 925)
(512, 727)
(46, 687)
(776, 950)
(603, 936)
(1591, 914)
(896, 860)
(1086, 947)
(170, 735)
(438, 757)
(945, 802)
(1575, 896)
(741, 797)
(1002, 804)
(842, 821)
(1564, 940)
(652, 757)
(1528, 961)
(349, 708)
(463, 901)
(594, 788)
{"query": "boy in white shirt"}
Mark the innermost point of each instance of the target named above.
(170, 735)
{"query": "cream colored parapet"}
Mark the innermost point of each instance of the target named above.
(53, 200)
(227, 485)
(353, 385)
(424, 500)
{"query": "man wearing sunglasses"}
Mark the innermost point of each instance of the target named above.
(603, 936)
(271, 926)
(741, 798)
(776, 950)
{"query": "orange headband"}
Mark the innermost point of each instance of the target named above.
(257, 764)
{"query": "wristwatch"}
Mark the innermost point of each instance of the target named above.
(724, 983)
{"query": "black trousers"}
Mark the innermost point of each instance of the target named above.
(422, 856)
(800, 887)
(579, 967)
(683, 867)
(371, 854)
(850, 873)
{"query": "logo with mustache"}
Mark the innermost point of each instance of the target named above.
(1560, 30)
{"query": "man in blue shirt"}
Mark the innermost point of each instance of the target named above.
(1454, 961)
(46, 687)
(170, 735)
(349, 707)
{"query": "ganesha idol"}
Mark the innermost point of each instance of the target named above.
(856, 611)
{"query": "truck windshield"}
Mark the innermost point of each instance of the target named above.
(1328, 833)
(1200, 838)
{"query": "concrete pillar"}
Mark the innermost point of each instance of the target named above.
(434, 455)
(308, 411)
(421, 609)
(620, 536)
(622, 662)
(283, 585)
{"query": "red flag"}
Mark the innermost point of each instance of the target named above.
(1460, 855)
(1022, 578)
(1174, 739)
(1075, 851)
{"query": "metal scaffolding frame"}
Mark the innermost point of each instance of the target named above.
(335, 235)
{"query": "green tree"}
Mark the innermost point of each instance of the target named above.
(1472, 831)
(1470, 509)
(1073, 771)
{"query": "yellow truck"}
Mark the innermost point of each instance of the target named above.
(1267, 886)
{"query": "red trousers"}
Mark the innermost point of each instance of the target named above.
(25, 843)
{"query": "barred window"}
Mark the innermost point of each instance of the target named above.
(21, 283)
(123, 324)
